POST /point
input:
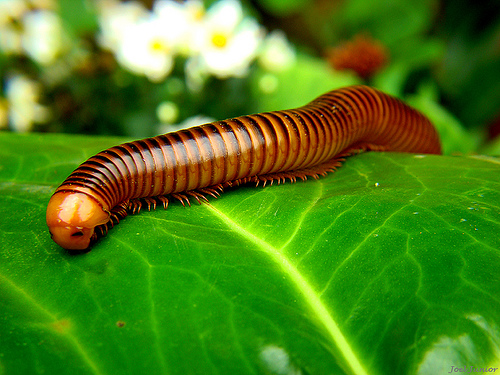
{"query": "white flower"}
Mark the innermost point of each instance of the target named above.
(115, 18)
(24, 109)
(148, 48)
(276, 54)
(227, 42)
(146, 42)
(183, 20)
(11, 11)
(32, 28)
(42, 37)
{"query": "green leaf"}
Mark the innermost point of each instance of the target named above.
(388, 266)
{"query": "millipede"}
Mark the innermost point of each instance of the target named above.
(201, 161)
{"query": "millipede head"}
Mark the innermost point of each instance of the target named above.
(72, 217)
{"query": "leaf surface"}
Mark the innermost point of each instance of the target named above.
(390, 265)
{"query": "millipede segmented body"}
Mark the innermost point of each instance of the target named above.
(298, 143)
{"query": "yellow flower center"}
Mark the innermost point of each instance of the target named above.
(157, 45)
(198, 14)
(219, 40)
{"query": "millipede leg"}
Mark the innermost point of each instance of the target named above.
(163, 200)
(183, 198)
(197, 195)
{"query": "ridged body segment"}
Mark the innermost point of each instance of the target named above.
(254, 145)
(289, 141)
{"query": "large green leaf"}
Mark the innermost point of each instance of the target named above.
(389, 266)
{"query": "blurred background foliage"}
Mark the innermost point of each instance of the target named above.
(140, 68)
